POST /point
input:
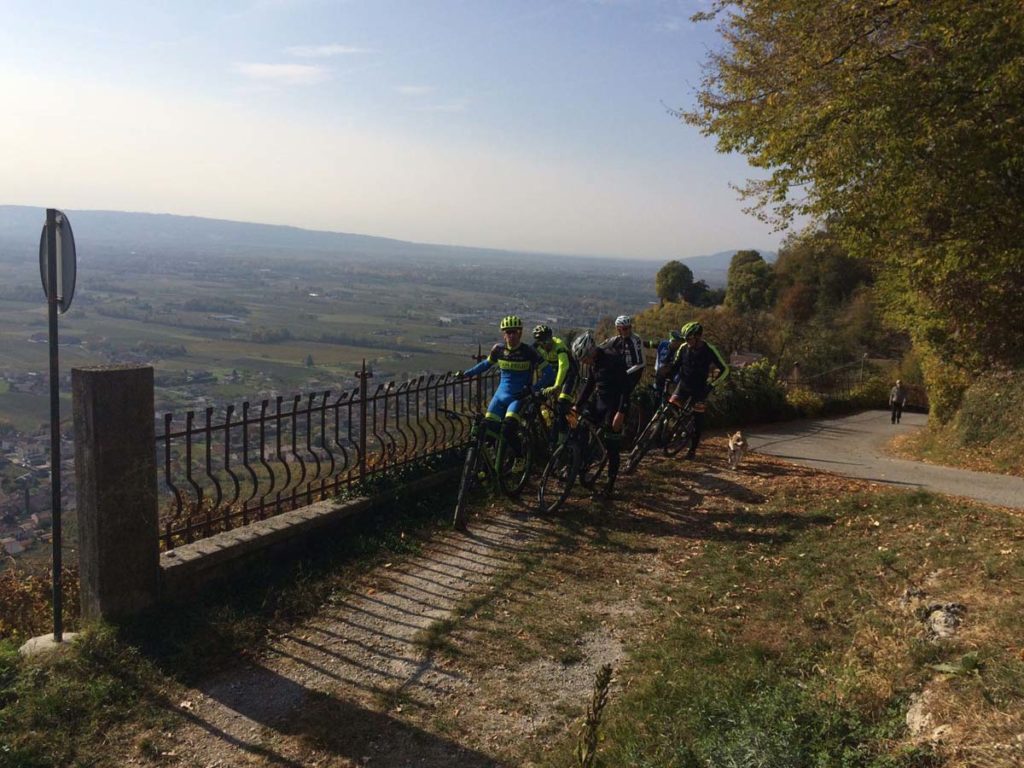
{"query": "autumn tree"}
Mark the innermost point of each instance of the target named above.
(899, 122)
(815, 275)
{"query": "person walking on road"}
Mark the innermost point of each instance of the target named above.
(897, 399)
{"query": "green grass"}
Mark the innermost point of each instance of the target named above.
(790, 653)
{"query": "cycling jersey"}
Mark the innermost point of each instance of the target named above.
(692, 366)
(560, 370)
(665, 355)
(632, 350)
(608, 377)
(516, 368)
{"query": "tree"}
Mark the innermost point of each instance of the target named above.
(751, 283)
(673, 281)
(815, 275)
(309, 361)
(898, 121)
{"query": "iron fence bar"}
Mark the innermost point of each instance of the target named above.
(280, 456)
(229, 412)
(325, 445)
(309, 449)
(263, 459)
(208, 448)
(245, 463)
(296, 493)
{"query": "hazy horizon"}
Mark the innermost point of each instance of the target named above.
(28, 216)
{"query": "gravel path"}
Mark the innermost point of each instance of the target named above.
(332, 692)
(854, 446)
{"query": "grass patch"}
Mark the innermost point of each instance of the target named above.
(796, 651)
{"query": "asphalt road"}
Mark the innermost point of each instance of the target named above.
(852, 446)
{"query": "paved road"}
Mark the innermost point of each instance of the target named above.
(852, 446)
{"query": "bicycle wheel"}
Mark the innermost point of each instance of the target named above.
(471, 468)
(594, 455)
(643, 443)
(677, 433)
(512, 465)
(558, 478)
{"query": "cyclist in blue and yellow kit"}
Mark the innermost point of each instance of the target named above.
(559, 374)
(516, 362)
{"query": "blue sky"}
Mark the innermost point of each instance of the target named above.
(526, 125)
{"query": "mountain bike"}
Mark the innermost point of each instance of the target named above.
(492, 460)
(669, 428)
(478, 468)
(581, 456)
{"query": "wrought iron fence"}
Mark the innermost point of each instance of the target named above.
(223, 469)
(837, 383)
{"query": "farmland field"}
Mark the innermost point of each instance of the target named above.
(229, 327)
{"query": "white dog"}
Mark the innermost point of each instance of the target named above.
(737, 447)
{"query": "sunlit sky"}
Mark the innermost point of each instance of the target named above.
(539, 126)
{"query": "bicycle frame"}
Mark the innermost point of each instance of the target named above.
(666, 417)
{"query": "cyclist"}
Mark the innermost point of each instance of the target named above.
(608, 376)
(630, 346)
(664, 379)
(692, 365)
(517, 363)
(558, 375)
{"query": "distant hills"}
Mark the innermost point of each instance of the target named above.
(163, 234)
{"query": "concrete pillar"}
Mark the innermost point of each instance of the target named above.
(115, 468)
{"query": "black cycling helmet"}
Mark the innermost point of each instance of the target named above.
(542, 333)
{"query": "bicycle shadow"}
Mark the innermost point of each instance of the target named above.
(699, 500)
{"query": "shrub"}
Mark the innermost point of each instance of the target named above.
(804, 402)
(26, 603)
(750, 395)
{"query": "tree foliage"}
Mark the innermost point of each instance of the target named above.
(816, 275)
(900, 122)
(673, 281)
(751, 283)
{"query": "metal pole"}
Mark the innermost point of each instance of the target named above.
(51, 274)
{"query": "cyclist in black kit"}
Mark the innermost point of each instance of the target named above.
(607, 374)
(693, 363)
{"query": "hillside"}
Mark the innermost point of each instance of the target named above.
(161, 233)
